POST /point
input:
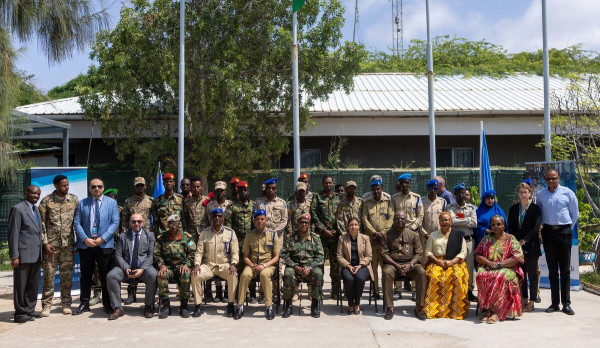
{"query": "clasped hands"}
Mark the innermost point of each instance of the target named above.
(93, 242)
(353, 269)
(303, 271)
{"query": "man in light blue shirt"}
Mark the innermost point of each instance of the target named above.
(560, 212)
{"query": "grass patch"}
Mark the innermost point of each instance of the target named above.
(590, 278)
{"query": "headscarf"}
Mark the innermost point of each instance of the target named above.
(484, 214)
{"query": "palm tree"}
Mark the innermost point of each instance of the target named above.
(60, 27)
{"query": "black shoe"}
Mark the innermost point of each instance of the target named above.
(82, 308)
(148, 311)
(552, 309)
(239, 313)
(269, 314)
(107, 310)
(23, 318)
(389, 314)
(472, 297)
(538, 299)
(131, 289)
(252, 300)
(183, 310)
(198, 310)
(315, 312)
(396, 296)
(413, 297)
(165, 309)
(261, 300)
(35, 314)
(567, 310)
(230, 311)
(287, 309)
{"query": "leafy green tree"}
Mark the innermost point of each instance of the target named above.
(59, 27)
(460, 56)
(71, 88)
(238, 80)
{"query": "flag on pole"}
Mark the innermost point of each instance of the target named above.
(485, 174)
(297, 4)
(159, 189)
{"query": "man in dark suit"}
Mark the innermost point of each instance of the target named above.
(134, 256)
(96, 221)
(25, 249)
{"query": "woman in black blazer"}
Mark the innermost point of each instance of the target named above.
(524, 220)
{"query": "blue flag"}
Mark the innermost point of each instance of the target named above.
(159, 189)
(485, 174)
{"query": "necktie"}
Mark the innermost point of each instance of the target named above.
(96, 213)
(35, 213)
(134, 253)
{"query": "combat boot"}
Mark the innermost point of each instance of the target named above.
(287, 308)
(46, 311)
(315, 312)
(197, 311)
(165, 309)
(131, 294)
(183, 310)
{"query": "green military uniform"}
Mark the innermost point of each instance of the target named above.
(346, 210)
(173, 252)
(56, 215)
(195, 215)
(323, 209)
(163, 207)
(296, 209)
(239, 218)
(137, 205)
(307, 251)
(260, 249)
(377, 216)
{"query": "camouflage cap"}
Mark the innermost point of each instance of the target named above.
(139, 180)
(220, 185)
(300, 186)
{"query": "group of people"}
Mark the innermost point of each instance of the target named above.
(430, 245)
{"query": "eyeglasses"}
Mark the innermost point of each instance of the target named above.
(137, 221)
(96, 187)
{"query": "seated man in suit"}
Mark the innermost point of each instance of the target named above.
(134, 261)
(217, 255)
(401, 252)
(25, 250)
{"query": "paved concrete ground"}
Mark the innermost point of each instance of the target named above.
(331, 330)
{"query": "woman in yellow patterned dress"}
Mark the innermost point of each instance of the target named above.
(446, 272)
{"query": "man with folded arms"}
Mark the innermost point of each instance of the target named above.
(134, 256)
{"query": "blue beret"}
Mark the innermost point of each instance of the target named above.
(528, 181)
(271, 181)
(489, 193)
(259, 212)
(406, 176)
(216, 211)
(432, 183)
(460, 186)
(376, 182)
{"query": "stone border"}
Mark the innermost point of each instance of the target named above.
(594, 289)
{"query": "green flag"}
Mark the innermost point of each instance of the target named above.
(297, 4)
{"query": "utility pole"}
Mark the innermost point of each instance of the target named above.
(355, 21)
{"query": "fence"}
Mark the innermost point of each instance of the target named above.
(505, 183)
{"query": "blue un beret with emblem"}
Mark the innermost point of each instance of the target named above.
(528, 181)
(376, 182)
(405, 176)
(216, 211)
(271, 181)
(460, 186)
(259, 212)
(433, 183)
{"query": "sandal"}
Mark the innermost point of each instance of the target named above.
(493, 319)
(529, 307)
(484, 316)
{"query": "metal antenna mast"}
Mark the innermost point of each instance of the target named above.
(397, 27)
(355, 21)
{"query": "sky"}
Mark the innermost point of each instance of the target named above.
(514, 24)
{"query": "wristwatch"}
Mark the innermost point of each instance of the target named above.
(264, 265)
(234, 264)
(499, 265)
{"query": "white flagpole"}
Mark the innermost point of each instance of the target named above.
(295, 101)
(432, 159)
(547, 128)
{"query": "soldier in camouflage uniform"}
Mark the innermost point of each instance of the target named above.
(303, 258)
(167, 204)
(297, 206)
(309, 195)
(57, 211)
(173, 257)
(194, 209)
(218, 202)
(323, 209)
(240, 220)
(350, 206)
(140, 203)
